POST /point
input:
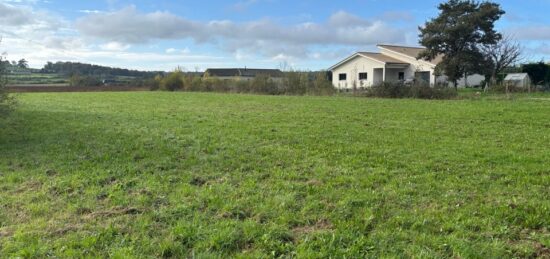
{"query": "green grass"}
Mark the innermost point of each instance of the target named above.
(214, 175)
(44, 79)
(37, 78)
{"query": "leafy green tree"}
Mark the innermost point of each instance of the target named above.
(173, 82)
(538, 72)
(458, 33)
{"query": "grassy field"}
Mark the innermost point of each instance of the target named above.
(54, 79)
(37, 78)
(211, 175)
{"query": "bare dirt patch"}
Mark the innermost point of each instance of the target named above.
(541, 251)
(321, 225)
(6, 233)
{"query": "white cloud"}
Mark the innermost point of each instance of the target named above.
(530, 32)
(14, 16)
(174, 50)
(87, 11)
(38, 55)
(24, 21)
(114, 46)
(107, 37)
(130, 26)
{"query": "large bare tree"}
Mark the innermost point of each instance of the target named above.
(505, 53)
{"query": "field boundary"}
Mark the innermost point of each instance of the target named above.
(60, 88)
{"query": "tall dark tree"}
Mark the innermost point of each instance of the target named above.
(23, 63)
(458, 33)
(538, 72)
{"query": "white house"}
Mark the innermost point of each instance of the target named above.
(393, 63)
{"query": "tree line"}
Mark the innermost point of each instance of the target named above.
(82, 69)
(22, 64)
(292, 83)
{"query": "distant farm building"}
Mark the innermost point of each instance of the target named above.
(242, 73)
(518, 80)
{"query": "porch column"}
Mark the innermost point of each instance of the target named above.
(384, 74)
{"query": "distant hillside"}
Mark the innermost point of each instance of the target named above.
(75, 68)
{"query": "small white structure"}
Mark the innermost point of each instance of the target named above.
(518, 80)
(392, 64)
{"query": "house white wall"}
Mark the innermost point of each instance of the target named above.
(472, 80)
(352, 68)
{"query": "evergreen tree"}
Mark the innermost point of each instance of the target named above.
(458, 33)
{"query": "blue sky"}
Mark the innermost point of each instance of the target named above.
(194, 35)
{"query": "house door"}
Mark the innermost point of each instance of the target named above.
(422, 77)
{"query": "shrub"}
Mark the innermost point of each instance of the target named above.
(84, 81)
(263, 84)
(293, 83)
(501, 88)
(154, 84)
(196, 84)
(172, 82)
(321, 85)
(241, 85)
(7, 102)
(401, 90)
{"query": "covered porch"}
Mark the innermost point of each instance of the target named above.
(391, 73)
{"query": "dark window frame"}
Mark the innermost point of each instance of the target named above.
(342, 77)
(363, 76)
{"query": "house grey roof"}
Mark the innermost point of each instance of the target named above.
(410, 51)
(383, 58)
(243, 72)
(516, 77)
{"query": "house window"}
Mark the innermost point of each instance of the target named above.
(363, 76)
(342, 77)
(401, 76)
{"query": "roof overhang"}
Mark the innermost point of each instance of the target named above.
(397, 65)
(426, 62)
(345, 61)
(382, 63)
